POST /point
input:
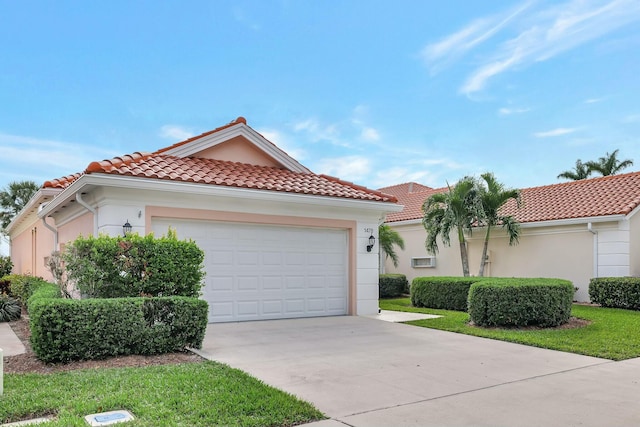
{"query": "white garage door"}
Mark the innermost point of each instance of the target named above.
(257, 272)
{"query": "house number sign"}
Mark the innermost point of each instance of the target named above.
(368, 230)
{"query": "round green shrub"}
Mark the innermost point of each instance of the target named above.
(447, 293)
(520, 302)
(616, 292)
(392, 285)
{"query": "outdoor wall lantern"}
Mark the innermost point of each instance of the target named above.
(372, 241)
(126, 228)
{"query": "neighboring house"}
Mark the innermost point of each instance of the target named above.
(574, 230)
(279, 240)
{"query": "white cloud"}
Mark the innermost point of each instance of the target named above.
(554, 132)
(283, 142)
(27, 158)
(593, 100)
(349, 168)
(317, 132)
(509, 111)
(438, 55)
(370, 134)
(540, 34)
(175, 132)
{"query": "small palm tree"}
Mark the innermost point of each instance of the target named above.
(581, 171)
(13, 198)
(493, 195)
(609, 164)
(388, 237)
(444, 212)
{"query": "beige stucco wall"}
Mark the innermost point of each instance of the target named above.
(29, 247)
(82, 225)
(563, 252)
(238, 149)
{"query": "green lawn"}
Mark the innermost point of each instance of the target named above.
(613, 333)
(192, 394)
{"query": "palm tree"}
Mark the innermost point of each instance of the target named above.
(13, 198)
(609, 164)
(492, 196)
(388, 238)
(581, 171)
(455, 209)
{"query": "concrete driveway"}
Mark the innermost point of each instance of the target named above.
(365, 372)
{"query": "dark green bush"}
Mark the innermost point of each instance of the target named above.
(6, 265)
(10, 308)
(616, 292)
(132, 266)
(520, 302)
(63, 329)
(392, 285)
(23, 285)
(448, 293)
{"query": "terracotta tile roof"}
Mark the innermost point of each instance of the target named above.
(412, 204)
(604, 196)
(227, 173)
(407, 187)
(63, 182)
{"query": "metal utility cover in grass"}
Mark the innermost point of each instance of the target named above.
(108, 418)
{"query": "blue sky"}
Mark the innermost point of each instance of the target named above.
(374, 92)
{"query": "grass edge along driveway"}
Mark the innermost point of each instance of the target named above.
(612, 334)
(190, 394)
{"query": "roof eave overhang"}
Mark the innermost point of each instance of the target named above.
(41, 196)
(247, 132)
(85, 182)
(536, 224)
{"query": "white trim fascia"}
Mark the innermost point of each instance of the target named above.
(536, 224)
(405, 222)
(36, 199)
(633, 212)
(147, 184)
(572, 221)
(240, 129)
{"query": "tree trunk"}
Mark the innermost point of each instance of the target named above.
(483, 260)
(463, 252)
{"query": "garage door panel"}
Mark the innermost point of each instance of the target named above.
(271, 258)
(248, 283)
(268, 272)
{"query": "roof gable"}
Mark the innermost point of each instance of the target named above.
(239, 149)
(212, 158)
(204, 146)
(588, 198)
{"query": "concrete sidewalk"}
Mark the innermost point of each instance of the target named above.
(9, 342)
(363, 372)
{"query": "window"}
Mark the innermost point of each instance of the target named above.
(423, 262)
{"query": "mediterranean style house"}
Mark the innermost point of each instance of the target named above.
(279, 240)
(573, 230)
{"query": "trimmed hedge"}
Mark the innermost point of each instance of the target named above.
(448, 293)
(616, 292)
(23, 285)
(63, 330)
(392, 285)
(133, 266)
(520, 302)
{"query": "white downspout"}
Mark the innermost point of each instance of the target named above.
(55, 233)
(90, 209)
(595, 249)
